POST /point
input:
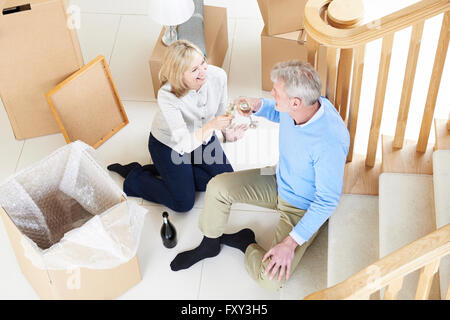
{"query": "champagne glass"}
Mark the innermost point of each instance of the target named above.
(230, 109)
(246, 109)
(252, 122)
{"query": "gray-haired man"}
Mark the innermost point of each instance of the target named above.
(313, 146)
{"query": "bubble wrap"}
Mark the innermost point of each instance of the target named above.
(67, 199)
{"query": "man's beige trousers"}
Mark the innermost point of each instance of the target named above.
(256, 188)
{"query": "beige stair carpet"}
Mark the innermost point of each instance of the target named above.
(352, 237)
(406, 213)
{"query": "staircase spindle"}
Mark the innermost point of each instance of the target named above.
(311, 46)
(426, 280)
(408, 83)
(331, 75)
(393, 289)
(448, 122)
(322, 67)
(385, 60)
(343, 81)
(358, 67)
(435, 81)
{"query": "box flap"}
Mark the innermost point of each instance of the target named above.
(281, 16)
(299, 36)
(263, 9)
(87, 106)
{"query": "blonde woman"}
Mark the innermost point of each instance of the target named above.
(185, 151)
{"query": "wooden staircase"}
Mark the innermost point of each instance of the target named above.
(390, 235)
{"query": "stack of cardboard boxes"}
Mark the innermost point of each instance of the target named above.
(283, 37)
(41, 65)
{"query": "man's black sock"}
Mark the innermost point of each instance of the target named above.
(209, 247)
(122, 170)
(240, 240)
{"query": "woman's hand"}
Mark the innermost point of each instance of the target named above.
(220, 122)
(234, 132)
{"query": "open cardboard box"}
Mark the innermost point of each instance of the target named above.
(77, 283)
(282, 16)
(38, 51)
(279, 48)
(73, 233)
(87, 106)
(216, 42)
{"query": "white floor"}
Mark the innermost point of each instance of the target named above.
(125, 36)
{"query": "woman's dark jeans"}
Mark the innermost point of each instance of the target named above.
(180, 176)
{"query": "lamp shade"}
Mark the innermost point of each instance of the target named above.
(171, 12)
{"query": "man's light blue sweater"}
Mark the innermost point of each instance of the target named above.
(311, 163)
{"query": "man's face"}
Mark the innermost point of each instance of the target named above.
(283, 102)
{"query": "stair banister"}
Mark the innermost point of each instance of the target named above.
(325, 34)
(425, 253)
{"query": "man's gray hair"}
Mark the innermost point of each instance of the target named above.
(301, 80)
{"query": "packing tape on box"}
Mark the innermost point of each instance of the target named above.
(71, 212)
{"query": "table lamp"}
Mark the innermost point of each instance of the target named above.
(170, 13)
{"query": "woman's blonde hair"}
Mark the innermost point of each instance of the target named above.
(176, 61)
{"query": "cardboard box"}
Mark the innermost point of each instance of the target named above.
(279, 48)
(282, 16)
(216, 42)
(87, 106)
(81, 283)
(73, 233)
(38, 51)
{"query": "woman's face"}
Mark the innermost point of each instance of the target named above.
(195, 76)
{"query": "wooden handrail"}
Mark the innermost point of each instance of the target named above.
(325, 34)
(390, 270)
(351, 40)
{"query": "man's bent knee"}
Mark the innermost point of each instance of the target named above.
(219, 185)
(256, 269)
(264, 280)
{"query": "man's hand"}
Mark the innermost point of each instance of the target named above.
(254, 103)
(282, 255)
